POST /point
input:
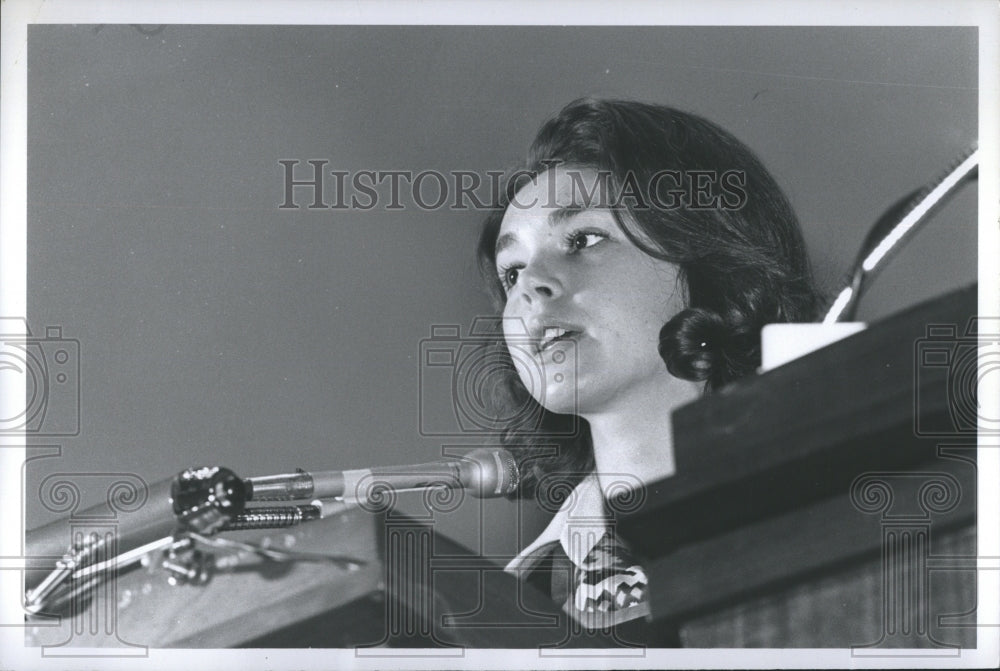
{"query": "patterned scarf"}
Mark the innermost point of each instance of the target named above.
(609, 580)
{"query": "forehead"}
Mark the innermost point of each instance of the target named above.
(561, 187)
(552, 198)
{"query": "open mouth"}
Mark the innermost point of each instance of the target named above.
(554, 335)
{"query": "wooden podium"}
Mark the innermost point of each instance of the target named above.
(830, 502)
(411, 587)
(827, 503)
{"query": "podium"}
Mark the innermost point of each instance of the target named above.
(830, 502)
(410, 586)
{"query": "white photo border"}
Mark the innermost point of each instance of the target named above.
(19, 14)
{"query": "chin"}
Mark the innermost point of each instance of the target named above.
(561, 407)
(558, 398)
(567, 397)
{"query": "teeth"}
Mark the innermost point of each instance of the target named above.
(551, 333)
(554, 332)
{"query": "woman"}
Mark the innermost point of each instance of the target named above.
(634, 260)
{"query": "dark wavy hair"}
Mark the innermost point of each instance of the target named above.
(742, 260)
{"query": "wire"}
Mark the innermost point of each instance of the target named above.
(350, 563)
(901, 220)
(124, 559)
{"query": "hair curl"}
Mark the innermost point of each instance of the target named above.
(741, 267)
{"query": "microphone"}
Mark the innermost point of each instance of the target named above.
(484, 473)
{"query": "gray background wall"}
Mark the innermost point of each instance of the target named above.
(217, 329)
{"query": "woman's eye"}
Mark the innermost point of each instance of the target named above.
(508, 276)
(580, 241)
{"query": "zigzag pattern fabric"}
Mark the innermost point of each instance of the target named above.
(609, 579)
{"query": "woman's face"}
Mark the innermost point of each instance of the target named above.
(584, 305)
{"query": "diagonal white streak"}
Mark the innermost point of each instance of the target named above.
(918, 212)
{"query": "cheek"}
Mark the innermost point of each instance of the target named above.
(634, 317)
(515, 327)
(654, 295)
(631, 315)
(529, 370)
(518, 344)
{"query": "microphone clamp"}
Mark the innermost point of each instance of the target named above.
(206, 499)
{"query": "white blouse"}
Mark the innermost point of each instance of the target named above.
(608, 587)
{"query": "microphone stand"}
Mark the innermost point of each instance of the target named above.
(203, 502)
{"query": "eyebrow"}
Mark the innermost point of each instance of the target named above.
(557, 216)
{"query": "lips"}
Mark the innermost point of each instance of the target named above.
(552, 335)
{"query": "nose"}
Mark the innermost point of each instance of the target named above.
(538, 281)
(542, 289)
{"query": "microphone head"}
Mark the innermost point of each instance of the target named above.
(489, 472)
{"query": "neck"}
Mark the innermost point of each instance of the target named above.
(634, 442)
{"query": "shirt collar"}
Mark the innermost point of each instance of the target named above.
(577, 527)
